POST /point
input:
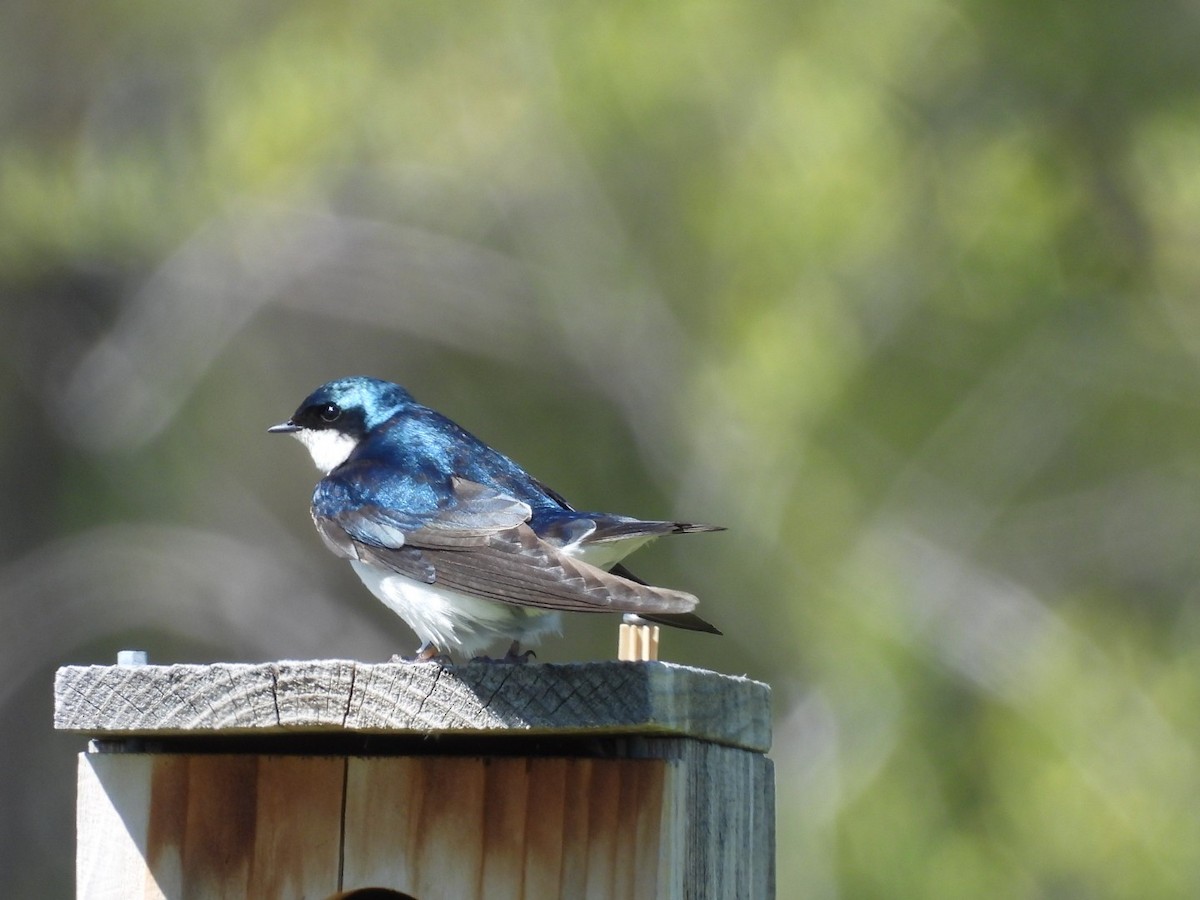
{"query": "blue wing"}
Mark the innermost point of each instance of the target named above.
(468, 538)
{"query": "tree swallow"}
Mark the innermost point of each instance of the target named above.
(456, 538)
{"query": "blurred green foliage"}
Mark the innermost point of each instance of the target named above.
(904, 293)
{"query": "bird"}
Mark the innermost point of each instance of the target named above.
(458, 539)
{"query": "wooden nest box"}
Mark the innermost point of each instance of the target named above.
(340, 779)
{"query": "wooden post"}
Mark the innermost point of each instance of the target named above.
(306, 779)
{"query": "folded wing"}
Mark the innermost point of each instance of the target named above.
(477, 541)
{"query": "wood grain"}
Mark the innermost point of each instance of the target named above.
(610, 698)
(168, 826)
(474, 827)
(696, 825)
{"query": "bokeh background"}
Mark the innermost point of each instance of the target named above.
(904, 293)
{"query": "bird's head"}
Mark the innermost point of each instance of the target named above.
(332, 420)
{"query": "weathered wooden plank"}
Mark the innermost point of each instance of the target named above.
(610, 698)
(718, 824)
(430, 826)
(544, 837)
(697, 825)
(576, 818)
(506, 819)
(179, 826)
(112, 814)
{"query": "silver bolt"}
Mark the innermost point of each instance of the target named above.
(132, 658)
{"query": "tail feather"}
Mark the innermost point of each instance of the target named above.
(687, 621)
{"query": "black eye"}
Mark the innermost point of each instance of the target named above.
(330, 412)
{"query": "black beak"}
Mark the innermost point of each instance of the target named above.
(284, 428)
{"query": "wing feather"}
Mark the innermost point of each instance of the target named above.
(478, 541)
(516, 567)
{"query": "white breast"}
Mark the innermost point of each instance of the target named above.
(327, 446)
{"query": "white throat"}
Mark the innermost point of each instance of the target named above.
(328, 447)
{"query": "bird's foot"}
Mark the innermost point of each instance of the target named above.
(427, 652)
(513, 657)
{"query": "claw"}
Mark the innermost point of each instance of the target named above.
(427, 652)
(514, 656)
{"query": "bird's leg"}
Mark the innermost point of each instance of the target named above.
(514, 654)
